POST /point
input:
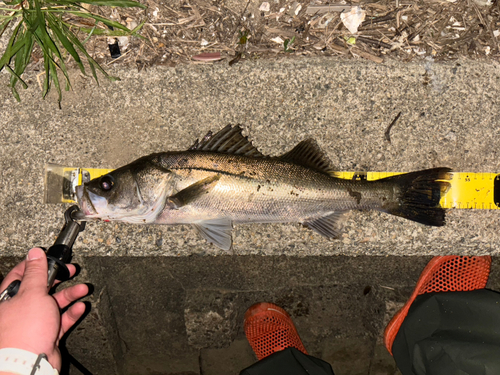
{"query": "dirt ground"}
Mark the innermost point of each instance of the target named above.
(201, 31)
(232, 31)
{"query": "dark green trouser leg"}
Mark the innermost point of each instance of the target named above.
(289, 362)
(453, 333)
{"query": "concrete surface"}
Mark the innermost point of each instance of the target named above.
(449, 118)
(184, 315)
(166, 302)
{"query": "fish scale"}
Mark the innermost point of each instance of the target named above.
(266, 189)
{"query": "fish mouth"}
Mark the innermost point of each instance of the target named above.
(87, 209)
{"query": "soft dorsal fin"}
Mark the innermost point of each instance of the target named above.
(227, 141)
(308, 154)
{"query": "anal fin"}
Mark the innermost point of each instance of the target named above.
(217, 231)
(327, 226)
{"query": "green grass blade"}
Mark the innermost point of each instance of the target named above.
(93, 64)
(90, 34)
(104, 20)
(22, 59)
(108, 32)
(64, 41)
(15, 93)
(55, 79)
(13, 47)
(42, 23)
(46, 82)
(91, 61)
(13, 2)
(15, 77)
(4, 24)
(44, 39)
(94, 73)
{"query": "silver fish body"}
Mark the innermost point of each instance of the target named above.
(225, 180)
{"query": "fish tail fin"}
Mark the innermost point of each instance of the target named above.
(419, 195)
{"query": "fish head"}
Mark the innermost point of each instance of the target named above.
(135, 193)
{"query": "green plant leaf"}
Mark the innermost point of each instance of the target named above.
(108, 32)
(21, 61)
(104, 20)
(93, 64)
(287, 43)
(4, 24)
(46, 82)
(55, 79)
(64, 41)
(12, 47)
(42, 22)
(15, 77)
(13, 2)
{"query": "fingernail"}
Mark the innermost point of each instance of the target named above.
(35, 253)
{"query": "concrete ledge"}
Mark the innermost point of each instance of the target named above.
(449, 118)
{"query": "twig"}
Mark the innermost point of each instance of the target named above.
(118, 58)
(241, 16)
(388, 131)
(366, 55)
(376, 43)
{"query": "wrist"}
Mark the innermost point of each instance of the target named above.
(22, 362)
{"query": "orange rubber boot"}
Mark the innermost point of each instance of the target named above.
(449, 273)
(270, 329)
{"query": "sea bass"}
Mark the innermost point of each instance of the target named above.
(224, 180)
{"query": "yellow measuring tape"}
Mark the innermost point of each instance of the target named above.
(479, 191)
(468, 190)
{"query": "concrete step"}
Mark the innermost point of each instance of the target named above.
(166, 315)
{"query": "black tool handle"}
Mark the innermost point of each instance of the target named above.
(10, 291)
(58, 255)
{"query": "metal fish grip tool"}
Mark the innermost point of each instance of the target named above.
(58, 255)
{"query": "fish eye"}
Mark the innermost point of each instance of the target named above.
(107, 182)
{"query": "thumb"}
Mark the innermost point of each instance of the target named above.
(35, 271)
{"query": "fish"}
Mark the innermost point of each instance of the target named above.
(224, 180)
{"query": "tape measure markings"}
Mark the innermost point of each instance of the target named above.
(468, 190)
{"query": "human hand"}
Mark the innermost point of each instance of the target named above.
(31, 320)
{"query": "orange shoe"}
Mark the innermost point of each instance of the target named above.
(270, 329)
(449, 273)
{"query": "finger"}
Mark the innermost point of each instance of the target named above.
(35, 272)
(72, 271)
(15, 274)
(71, 294)
(70, 317)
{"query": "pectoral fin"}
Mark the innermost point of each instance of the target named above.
(192, 192)
(327, 226)
(217, 232)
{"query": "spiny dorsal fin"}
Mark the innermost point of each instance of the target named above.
(308, 154)
(227, 141)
